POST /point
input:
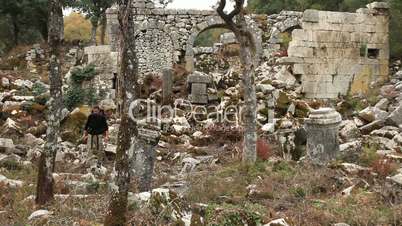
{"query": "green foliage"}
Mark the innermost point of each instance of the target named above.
(209, 37)
(232, 215)
(76, 95)
(38, 89)
(79, 75)
(93, 186)
(11, 165)
(298, 192)
(368, 156)
(276, 6)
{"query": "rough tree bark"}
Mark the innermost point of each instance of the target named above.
(44, 191)
(94, 23)
(247, 57)
(16, 29)
(103, 29)
(116, 214)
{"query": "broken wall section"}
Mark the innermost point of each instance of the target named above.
(337, 53)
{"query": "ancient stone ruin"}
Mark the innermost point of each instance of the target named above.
(336, 53)
(332, 53)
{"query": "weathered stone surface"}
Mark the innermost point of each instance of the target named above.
(349, 131)
(322, 135)
(395, 118)
(6, 145)
(382, 104)
(336, 53)
(167, 86)
(366, 129)
(39, 214)
(198, 83)
(278, 222)
(10, 183)
(371, 114)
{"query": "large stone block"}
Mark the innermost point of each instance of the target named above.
(300, 52)
(311, 15)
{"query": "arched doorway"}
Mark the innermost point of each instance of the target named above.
(214, 23)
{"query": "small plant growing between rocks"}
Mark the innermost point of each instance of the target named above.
(76, 94)
(79, 75)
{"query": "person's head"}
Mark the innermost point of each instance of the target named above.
(96, 109)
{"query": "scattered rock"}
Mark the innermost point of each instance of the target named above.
(353, 168)
(397, 179)
(31, 140)
(371, 114)
(269, 127)
(367, 129)
(23, 83)
(5, 82)
(349, 131)
(382, 104)
(39, 214)
(6, 145)
(395, 118)
(10, 183)
(278, 222)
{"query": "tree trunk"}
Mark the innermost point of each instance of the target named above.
(44, 191)
(94, 23)
(16, 29)
(248, 61)
(116, 214)
(250, 101)
(103, 29)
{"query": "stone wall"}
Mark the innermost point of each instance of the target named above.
(106, 67)
(336, 53)
(166, 36)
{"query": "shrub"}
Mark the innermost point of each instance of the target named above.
(74, 97)
(225, 134)
(264, 151)
(368, 156)
(384, 167)
(78, 75)
(38, 88)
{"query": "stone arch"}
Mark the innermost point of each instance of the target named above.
(211, 23)
(153, 60)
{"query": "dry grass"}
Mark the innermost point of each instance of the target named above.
(303, 194)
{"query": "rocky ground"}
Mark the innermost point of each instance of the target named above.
(198, 177)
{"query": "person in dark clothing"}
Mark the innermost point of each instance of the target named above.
(95, 132)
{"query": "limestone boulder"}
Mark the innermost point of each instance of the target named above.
(389, 91)
(349, 131)
(277, 222)
(31, 140)
(383, 104)
(39, 214)
(10, 183)
(5, 82)
(395, 118)
(370, 114)
(10, 106)
(11, 129)
(19, 83)
(6, 145)
(265, 88)
(387, 131)
(286, 77)
(367, 129)
(73, 126)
